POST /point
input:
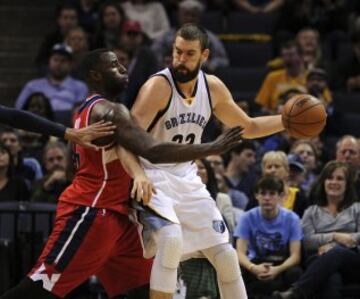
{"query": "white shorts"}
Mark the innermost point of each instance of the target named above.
(184, 199)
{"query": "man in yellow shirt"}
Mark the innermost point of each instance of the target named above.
(293, 76)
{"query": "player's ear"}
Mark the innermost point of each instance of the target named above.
(205, 55)
(95, 76)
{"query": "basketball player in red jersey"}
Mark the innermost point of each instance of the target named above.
(92, 233)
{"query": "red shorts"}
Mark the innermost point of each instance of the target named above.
(87, 241)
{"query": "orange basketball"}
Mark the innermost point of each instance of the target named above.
(304, 116)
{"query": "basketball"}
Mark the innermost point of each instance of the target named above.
(304, 116)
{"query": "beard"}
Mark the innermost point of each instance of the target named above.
(183, 74)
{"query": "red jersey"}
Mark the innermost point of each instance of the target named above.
(100, 180)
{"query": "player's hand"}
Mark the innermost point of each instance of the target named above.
(142, 189)
(228, 139)
(84, 136)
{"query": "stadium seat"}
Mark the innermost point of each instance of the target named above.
(347, 102)
(249, 54)
(244, 80)
(247, 23)
(213, 21)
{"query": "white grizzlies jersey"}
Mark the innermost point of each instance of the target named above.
(183, 120)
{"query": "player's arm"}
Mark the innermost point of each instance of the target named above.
(133, 138)
(152, 98)
(230, 114)
(24, 120)
(142, 188)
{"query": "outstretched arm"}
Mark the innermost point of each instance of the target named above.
(133, 138)
(20, 119)
(230, 114)
(27, 121)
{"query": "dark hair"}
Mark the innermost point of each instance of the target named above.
(10, 170)
(245, 144)
(49, 112)
(7, 129)
(318, 194)
(269, 183)
(211, 184)
(291, 44)
(66, 6)
(119, 9)
(194, 32)
(91, 61)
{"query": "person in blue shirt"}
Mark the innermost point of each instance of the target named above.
(269, 241)
(63, 91)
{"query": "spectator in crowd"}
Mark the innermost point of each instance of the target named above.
(308, 39)
(330, 225)
(269, 241)
(62, 90)
(238, 198)
(88, 13)
(67, 18)
(33, 143)
(11, 188)
(55, 180)
(278, 82)
(256, 6)
(150, 14)
(26, 168)
(317, 85)
(347, 71)
(142, 62)
(293, 76)
(308, 154)
(78, 41)
(276, 163)
(190, 11)
(297, 171)
(240, 173)
(347, 150)
(309, 43)
(111, 19)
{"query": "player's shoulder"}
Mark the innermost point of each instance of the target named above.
(156, 89)
(214, 81)
(216, 85)
(158, 81)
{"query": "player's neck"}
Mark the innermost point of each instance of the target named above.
(107, 95)
(188, 87)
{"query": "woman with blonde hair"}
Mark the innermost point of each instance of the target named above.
(276, 163)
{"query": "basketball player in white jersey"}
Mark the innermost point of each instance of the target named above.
(175, 105)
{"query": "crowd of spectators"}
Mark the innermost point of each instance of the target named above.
(291, 205)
